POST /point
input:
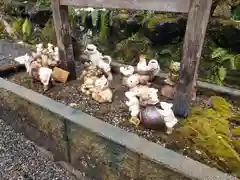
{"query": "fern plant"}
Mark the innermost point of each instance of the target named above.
(223, 60)
(26, 29)
(222, 56)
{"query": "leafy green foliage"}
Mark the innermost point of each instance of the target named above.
(45, 3)
(236, 13)
(223, 61)
(27, 27)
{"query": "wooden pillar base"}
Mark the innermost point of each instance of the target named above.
(64, 37)
(198, 17)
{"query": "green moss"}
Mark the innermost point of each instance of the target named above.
(221, 106)
(236, 144)
(159, 18)
(207, 130)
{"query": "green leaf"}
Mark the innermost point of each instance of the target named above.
(27, 28)
(236, 13)
(219, 52)
(228, 57)
(222, 73)
(94, 15)
(237, 61)
(83, 17)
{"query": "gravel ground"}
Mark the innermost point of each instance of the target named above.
(22, 159)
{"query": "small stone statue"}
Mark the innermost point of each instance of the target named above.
(168, 116)
(173, 75)
(97, 59)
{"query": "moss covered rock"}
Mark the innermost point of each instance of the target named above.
(207, 135)
(163, 29)
(226, 33)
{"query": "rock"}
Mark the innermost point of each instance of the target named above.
(41, 16)
(168, 91)
(226, 34)
(163, 29)
(232, 78)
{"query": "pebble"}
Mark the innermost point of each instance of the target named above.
(22, 159)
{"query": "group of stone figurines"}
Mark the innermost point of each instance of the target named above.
(39, 65)
(142, 99)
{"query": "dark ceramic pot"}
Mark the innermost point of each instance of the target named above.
(150, 118)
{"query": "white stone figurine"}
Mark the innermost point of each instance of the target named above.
(153, 67)
(22, 59)
(142, 64)
(132, 81)
(93, 54)
(39, 49)
(132, 103)
(127, 71)
(153, 96)
(101, 92)
(147, 95)
(168, 116)
(105, 66)
(50, 48)
(56, 54)
(45, 76)
(97, 59)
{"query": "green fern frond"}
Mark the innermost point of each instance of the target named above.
(83, 17)
(104, 26)
(94, 16)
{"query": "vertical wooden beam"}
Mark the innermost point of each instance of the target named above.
(64, 38)
(198, 17)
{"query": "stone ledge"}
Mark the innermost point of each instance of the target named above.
(151, 152)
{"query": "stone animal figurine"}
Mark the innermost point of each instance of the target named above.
(132, 103)
(101, 92)
(147, 95)
(153, 67)
(50, 49)
(35, 69)
(39, 49)
(89, 76)
(126, 72)
(88, 85)
(106, 66)
(93, 54)
(152, 97)
(142, 64)
(173, 75)
(45, 75)
(26, 60)
(97, 59)
(168, 116)
(147, 71)
(90, 71)
(132, 81)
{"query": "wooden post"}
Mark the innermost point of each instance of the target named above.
(198, 17)
(64, 38)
